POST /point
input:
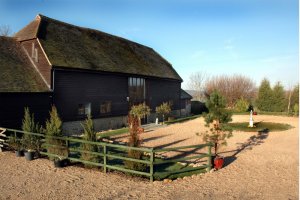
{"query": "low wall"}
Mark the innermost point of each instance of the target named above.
(100, 124)
(153, 116)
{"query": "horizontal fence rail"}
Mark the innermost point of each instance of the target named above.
(108, 152)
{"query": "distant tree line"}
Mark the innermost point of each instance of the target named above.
(241, 93)
(276, 99)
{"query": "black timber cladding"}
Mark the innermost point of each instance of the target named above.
(160, 90)
(12, 107)
(74, 87)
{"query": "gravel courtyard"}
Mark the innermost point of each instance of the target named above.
(258, 166)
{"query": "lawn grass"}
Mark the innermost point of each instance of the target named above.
(262, 113)
(180, 120)
(111, 133)
(166, 171)
(259, 126)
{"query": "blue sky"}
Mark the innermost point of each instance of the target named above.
(255, 38)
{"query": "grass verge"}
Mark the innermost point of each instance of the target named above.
(180, 120)
(113, 132)
(243, 126)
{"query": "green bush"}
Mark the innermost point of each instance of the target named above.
(30, 142)
(163, 110)
(140, 111)
(54, 129)
(241, 105)
(217, 120)
(265, 96)
(296, 109)
(15, 143)
(89, 135)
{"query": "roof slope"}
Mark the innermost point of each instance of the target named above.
(185, 95)
(17, 73)
(71, 46)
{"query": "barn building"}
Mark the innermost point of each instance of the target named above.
(82, 71)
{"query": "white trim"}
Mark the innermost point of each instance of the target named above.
(44, 51)
(36, 68)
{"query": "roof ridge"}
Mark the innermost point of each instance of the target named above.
(113, 50)
(88, 29)
(31, 28)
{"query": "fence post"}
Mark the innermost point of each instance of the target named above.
(67, 145)
(152, 153)
(15, 135)
(104, 158)
(209, 158)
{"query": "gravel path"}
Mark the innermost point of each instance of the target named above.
(259, 167)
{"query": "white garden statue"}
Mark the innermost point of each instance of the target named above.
(251, 120)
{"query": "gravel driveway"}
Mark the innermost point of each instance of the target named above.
(260, 167)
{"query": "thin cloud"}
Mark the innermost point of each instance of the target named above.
(229, 47)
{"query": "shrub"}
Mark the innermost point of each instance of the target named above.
(14, 143)
(140, 111)
(279, 101)
(264, 100)
(163, 110)
(296, 109)
(30, 142)
(134, 141)
(89, 135)
(217, 119)
(241, 105)
(54, 129)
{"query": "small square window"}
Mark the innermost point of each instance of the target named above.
(80, 109)
(84, 109)
(105, 107)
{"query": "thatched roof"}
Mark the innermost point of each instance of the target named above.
(71, 46)
(16, 72)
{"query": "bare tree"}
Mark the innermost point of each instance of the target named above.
(232, 88)
(197, 82)
(5, 30)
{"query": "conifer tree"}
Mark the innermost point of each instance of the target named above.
(295, 96)
(30, 142)
(89, 135)
(217, 120)
(54, 128)
(264, 99)
(278, 100)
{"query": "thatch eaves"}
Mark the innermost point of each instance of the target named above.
(71, 46)
(17, 73)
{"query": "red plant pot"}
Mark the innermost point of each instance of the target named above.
(254, 113)
(218, 162)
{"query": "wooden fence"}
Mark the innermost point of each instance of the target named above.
(112, 153)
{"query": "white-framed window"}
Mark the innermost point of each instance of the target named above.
(105, 107)
(137, 89)
(84, 109)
